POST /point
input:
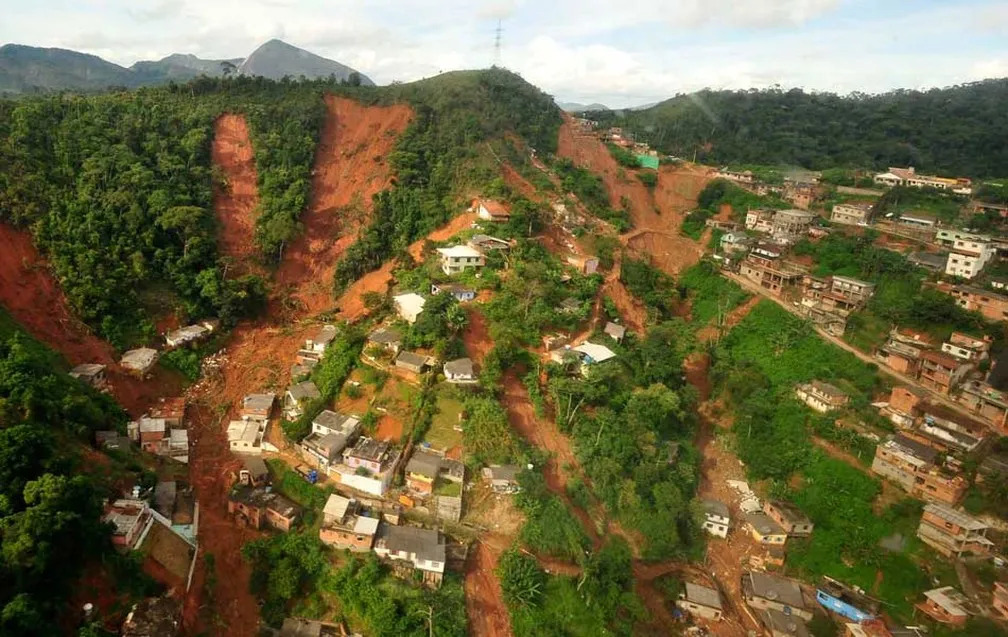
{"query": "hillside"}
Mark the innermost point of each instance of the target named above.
(27, 69)
(276, 59)
(179, 67)
(953, 130)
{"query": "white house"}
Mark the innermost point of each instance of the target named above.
(318, 343)
(460, 371)
(489, 210)
(409, 306)
(459, 258)
(245, 436)
(969, 252)
(716, 518)
(594, 353)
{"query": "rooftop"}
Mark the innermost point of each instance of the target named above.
(780, 624)
(763, 523)
(335, 421)
(325, 335)
(460, 252)
(955, 517)
(507, 472)
(243, 431)
(495, 208)
(411, 358)
(261, 497)
(424, 463)
(827, 389)
(615, 330)
(459, 367)
(597, 353)
(139, 359)
(146, 424)
(485, 238)
(790, 512)
(168, 408)
(336, 506)
(426, 544)
(914, 448)
(773, 587)
(258, 402)
(702, 595)
(411, 302)
(385, 336)
(714, 507)
(949, 599)
(255, 465)
(87, 370)
(305, 390)
(369, 449)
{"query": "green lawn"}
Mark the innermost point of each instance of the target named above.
(442, 434)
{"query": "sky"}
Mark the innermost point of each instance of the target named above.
(618, 52)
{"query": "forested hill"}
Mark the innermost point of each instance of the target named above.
(959, 130)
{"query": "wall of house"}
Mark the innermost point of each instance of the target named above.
(700, 611)
(342, 539)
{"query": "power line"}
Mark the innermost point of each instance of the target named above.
(497, 44)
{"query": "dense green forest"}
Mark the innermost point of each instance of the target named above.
(50, 509)
(955, 130)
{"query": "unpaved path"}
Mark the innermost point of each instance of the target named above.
(351, 166)
(235, 201)
(31, 294)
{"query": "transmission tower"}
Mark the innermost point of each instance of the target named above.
(497, 44)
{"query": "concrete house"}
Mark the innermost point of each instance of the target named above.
(490, 210)
(820, 396)
(911, 465)
(852, 214)
(171, 410)
(910, 177)
(765, 591)
(139, 361)
(969, 254)
(503, 478)
(615, 331)
(344, 528)
(368, 454)
(422, 471)
(992, 305)
(966, 347)
(91, 374)
(460, 371)
(790, 225)
(254, 472)
(386, 338)
(257, 407)
(151, 431)
(584, 265)
(462, 293)
(424, 548)
(759, 220)
(257, 507)
(412, 362)
(789, 517)
(941, 372)
(701, 601)
(246, 436)
(460, 258)
(987, 403)
(778, 624)
(297, 398)
(368, 466)
(409, 306)
(946, 605)
(321, 340)
(952, 532)
(189, 334)
(716, 518)
(129, 518)
(764, 530)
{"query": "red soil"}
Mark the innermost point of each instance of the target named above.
(389, 428)
(350, 168)
(32, 296)
(486, 610)
(237, 202)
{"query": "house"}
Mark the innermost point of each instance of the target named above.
(969, 253)
(764, 591)
(701, 601)
(110, 439)
(408, 306)
(485, 242)
(171, 410)
(849, 602)
(993, 306)
(853, 214)
(594, 353)
(966, 347)
(460, 371)
(759, 220)
(732, 242)
(176, 445)
(878, 628)
(941, 372)
(570, 305)
(768, 271)
(386, 338)
(344, 528)
(490, 210)
(742, 177)
(368, 466)
(368, 454)
(946, 605)
(820, 396)
(901, 356)
(503, 478)
(151, 432)
(246, 436)
(716, 518)
(941, 428)
(584, 265)
(789, 517)
(910, 177)
(299, 627)
(316, 345)
(460, 258)
(952, 532)
(422, 470)
(764, 530)
(987, 403)
(911, 465)
(777, 624)
(92, 374)
(919, 220)
(615, 331)
(789, 225)
(258, 506)
(153, 617)
(128, 517)
(412, 362)
(301, 371)
(423, 548)
(935, 262)
(188, 334)
(257, 407)
(139, 361)
(297, 398)
(254, 472)
(983, 207)
(462, 293)
(323, 450)
(1000, 599)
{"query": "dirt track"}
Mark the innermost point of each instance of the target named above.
(235, 202)
(351, 166)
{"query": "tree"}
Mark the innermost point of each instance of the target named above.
(521, 579)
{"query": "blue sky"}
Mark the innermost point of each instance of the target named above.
(619, 52)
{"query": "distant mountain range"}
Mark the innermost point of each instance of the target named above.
(574, 107)
(28, 69)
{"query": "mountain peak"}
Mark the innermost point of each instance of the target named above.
(276, 59)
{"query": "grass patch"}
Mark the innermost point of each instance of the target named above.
(442, 434)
